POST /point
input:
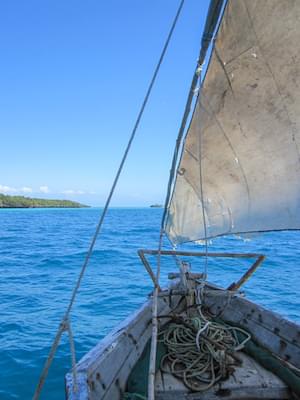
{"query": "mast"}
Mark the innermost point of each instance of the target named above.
(211, 22)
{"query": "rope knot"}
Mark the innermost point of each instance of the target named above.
(64, 325)
(199, 69)
(196, 91)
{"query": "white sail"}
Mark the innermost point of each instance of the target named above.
(245, 129)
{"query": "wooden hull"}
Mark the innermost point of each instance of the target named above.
(104, 371)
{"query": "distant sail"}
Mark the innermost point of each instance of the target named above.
(246, 127)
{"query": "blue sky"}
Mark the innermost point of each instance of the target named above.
(72, 77)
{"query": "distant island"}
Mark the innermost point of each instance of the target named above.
(156, 206)
(27, 202)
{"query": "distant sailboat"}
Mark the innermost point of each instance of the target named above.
(239, 172)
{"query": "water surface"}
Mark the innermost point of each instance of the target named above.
(41, 252)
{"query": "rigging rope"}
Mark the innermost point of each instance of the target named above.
(201, 192)
(213, 14)
(199, 350)
(103, 214)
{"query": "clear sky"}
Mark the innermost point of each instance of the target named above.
(73, 74)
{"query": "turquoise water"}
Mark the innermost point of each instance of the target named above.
(41, 252)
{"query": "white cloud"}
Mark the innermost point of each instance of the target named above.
(44, 189)
(68, 191)
(26, 189)
(7, 189)
(71, 191)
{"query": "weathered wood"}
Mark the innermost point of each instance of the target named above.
(147, 266)
(122, 371)
(249, 381)
(82, 387)
(105, 369)
(103, 372)
(278, 335)
(189, 275)
(247, 274)
(198, 254)
(234, 286)
(171, 383)
(159, 383)
(153, 348)
(102, 363)
(241, 394)
(168, 293)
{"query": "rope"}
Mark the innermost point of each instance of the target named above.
(61, 329)
(202, 196)
(104, 212)
(211, 27)
(186, 114)
(199, 350)
(178, 143)
(151, 379)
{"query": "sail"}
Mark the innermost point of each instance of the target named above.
(243, 144)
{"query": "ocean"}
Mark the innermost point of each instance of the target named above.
(41, 252)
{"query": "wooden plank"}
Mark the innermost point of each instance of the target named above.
(107, 366)
(171, 383)
(159, 383)
(198, 254)
(118, 385)
(102, 359)
(289, 331)
(82, 392)
(104, 370)
(241, 394)
(139, 318)
(252, 375)
(130, 341)
(269, 329)
(248, 381)
(121, 369)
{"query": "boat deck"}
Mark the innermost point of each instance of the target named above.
(119, 363)
(249, 381)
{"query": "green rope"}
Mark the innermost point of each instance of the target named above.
(200, 351)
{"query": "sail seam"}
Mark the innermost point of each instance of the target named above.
(212, 113)
(236, 57)
(238, 121)
(191, 155)
(276, 84)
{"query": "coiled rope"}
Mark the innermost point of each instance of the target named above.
(200, 351)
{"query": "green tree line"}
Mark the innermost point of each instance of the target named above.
(7, 201)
